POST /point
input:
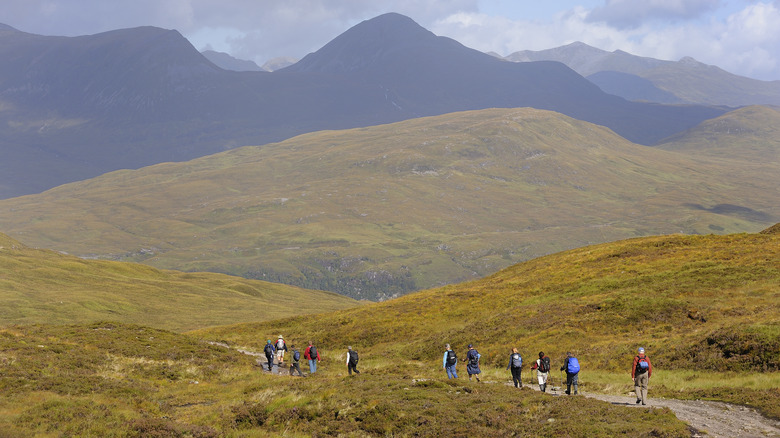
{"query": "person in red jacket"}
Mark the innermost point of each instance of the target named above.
(640, 373)
(313, 357)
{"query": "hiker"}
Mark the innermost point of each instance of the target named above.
(296, 359)
(449, 361)
(269, 351)
(640, 373)
(281, 347)
(516, 367)
(472, 363)
(352, 361)
(313, 356)
(542, 367)
(572, 367)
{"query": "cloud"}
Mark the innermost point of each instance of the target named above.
(631, 13)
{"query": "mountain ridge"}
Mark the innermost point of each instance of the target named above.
(145, 96)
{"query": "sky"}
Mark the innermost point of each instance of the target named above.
(739, 36)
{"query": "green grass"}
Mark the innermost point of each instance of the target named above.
(696, 303)
(38, 286)
(119, 380)
(378, 212)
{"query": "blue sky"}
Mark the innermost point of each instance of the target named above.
(740, 36)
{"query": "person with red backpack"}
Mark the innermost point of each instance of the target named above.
(640, 374)
(542, 367)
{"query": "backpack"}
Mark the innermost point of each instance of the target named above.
(269, 349)
(572, 366)
(473, 357)
(297, 355)
(280, 344)
(313, 352)
(544, 364)
(642, 365)
(353, 357)
(452, 358)
(517, 360)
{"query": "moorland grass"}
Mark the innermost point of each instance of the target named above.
(124, 380)
(705, 304)
(378, 212)
(41, 286)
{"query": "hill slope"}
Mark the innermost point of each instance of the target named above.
(695, 302)
(40, 286)
(378, 212)
(74, 108)
(636, 77)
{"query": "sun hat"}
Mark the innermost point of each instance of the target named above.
(641, 350)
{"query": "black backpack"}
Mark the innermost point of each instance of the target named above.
(353, 357)
(313, 352)
(544, 365)
(269, 349)
(452, 358)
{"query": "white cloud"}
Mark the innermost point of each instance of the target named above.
(631, 13)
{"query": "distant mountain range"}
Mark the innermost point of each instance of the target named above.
(640, 78)
(74, 108)
(377, 212)
(226, 61)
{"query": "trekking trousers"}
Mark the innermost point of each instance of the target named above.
(295, 367)
(572, 380)
(517, 377)
(640, 386)
(451, 372)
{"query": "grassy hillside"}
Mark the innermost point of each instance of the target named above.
(748, 134)
(115, 380)
(382, 211)
(41, 286)
(706, 307)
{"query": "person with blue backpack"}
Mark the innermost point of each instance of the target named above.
(516, 367)
(449, 361)
(269, 351)
(472, 362)
(640, 374)
(572, 367)
(296, 360)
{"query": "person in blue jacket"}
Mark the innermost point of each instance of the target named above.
(472, 362)
(449, 361)
(269, 351)
(572, 367)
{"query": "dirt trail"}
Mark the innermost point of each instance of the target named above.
(708, 418)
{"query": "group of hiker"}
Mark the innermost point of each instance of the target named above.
(276, 350)
(641, 369)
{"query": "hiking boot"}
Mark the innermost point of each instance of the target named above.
(644, 404)
(639, 400)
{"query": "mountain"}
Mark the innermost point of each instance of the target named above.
(750, 134)
(43, 286)
(225, 61)
(641, 78)
(378, 212)
(74, 108)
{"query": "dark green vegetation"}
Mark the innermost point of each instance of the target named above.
(379, 212)
(707, 304)
(41, 286)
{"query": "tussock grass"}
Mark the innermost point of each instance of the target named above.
(703, 304)
(38, 286)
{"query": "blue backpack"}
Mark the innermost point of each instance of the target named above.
(517, 360)
(573, 366)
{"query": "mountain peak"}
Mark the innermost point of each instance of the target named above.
(364, 44)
